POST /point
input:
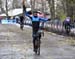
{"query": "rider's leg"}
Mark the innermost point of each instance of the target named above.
(40, 37)
(34, 38)
(21, 25)
(34, 44)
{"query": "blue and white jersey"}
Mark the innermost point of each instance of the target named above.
(35, 18)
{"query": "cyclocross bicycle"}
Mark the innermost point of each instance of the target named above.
(38, 41)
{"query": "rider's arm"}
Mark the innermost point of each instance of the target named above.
(43, 19)
(28, 15)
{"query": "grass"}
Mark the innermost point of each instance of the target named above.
(70, 41)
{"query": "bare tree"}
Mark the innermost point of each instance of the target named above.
(52, 8)
(0, 6)
(70, 8)
(24, 7)
(32, 4)
(16, 4)
(42, 2)
(7, 8)
(0, 3)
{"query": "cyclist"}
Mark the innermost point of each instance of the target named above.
(35, 26)
(67, 24)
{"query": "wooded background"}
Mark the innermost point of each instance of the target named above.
(56, 8)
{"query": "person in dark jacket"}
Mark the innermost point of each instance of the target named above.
(21, 22)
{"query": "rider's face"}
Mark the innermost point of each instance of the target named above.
(35, 14)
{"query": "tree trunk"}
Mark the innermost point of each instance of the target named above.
(42, 2)
(52, 8)
(6, 9)
(69, 10)
(24, 8)
(32, 5)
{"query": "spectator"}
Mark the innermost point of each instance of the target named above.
(0, 18)
(17, 19)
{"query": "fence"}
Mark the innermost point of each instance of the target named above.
(57, 27)
(5, 21)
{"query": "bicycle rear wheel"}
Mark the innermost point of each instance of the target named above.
(38, 50)
(38, 46)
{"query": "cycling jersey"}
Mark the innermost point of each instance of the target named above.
(35, 18)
